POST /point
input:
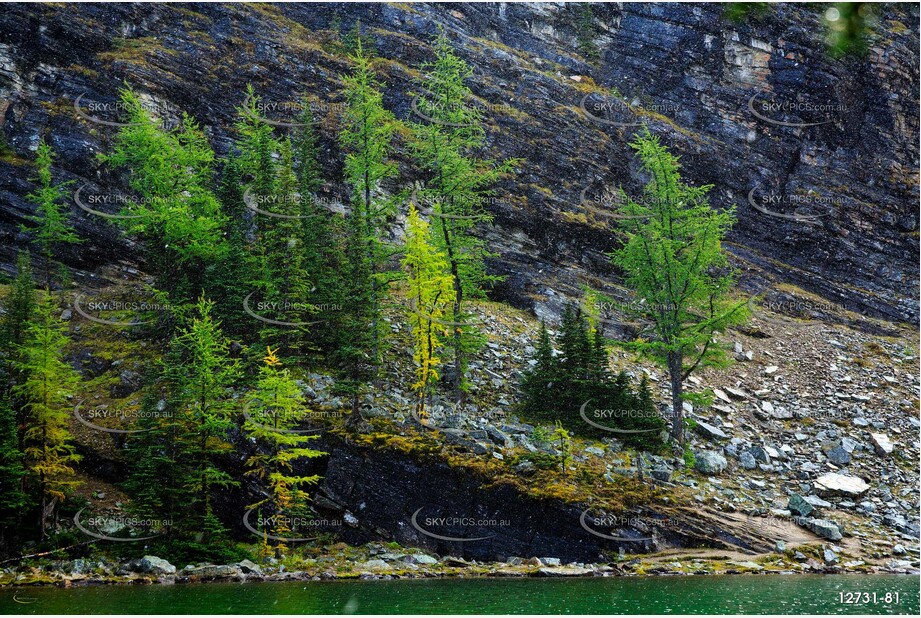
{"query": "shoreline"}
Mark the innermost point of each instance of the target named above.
(493, 570)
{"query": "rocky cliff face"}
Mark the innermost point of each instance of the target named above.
(827, 150)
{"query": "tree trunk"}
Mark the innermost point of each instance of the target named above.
(355, 417)
(43, 484)
(674, 372)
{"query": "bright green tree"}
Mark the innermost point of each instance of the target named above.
(177, 214)
(51, 228)
(206, 372)
(47, 383)
(457, 187)
(431, 298)
(561, 438)
(274, 410)
(367, 132)
(257, 145)
(674, 261)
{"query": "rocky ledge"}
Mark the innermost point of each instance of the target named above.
(374, 561)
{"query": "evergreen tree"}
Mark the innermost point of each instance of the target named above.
(158, 473)
(537, 384)
(51, 227)
(355, 40)
(674, 262)
(368, 129)
(233, 274)
(559, 388)
(431, 297)
(280, 274)
(178, 216)
(275, 409)
(166, 454)
(205, 414)
(307, 151)
(187, 415)
(283, 244)
(257, 145)
(319, 231)
(48, 382)
(356, 338)
(575, 345)
(457, 186)
(14, 501)
(585, 30)
(17, 312)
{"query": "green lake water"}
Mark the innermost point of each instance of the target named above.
(742, 594)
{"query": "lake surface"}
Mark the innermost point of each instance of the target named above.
(742, 594)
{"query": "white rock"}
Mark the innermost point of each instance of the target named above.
(735, 392)
(882, 443)
(771, 369)
(840, 484)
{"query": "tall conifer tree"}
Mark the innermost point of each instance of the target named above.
(367, 133)
(178, 216)
(274, 411)
(47, 383)
(457, 187)
(431, 298)
(51, 227)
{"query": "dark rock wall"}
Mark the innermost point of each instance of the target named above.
(687, 71)
(382, 490)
